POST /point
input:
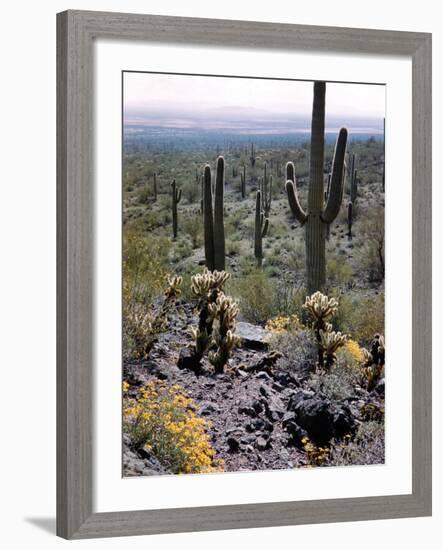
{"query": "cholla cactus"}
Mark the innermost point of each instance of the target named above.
(320, 306)
(174, 284)
(330, 342)
(322, 309)
(204, 283)
(223, 314)
(207, 286)
(374, 361)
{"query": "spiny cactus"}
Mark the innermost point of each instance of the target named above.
(265, 186)
(214, 230)
(176, 197)
(374, 361)
(330, 342)
(352, 179)
(223, 314)
(261, 228)
(252, 158)
(155, 186)
(350, 207)
(318, 216)
(243, 182)
(322, 309)
(217, 318)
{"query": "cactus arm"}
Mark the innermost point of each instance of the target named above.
(265, 227)
(219, 230)
(336, 187)
(294, 203)
(208, 219)
(290, 172)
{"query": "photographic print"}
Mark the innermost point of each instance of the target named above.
(253, 274)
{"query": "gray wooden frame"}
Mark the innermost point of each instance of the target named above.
(76, 31)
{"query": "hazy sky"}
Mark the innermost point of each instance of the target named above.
(145, 94)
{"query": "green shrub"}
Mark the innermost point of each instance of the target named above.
(256, 296)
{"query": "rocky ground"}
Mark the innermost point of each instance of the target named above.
(259, 409)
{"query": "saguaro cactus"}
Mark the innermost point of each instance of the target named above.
(252, 157)
(261, 228)
(318, 215)
(176, 197)
(214, 231)
(243, 182)
(350, 220)
(352, 179)
(266, 190)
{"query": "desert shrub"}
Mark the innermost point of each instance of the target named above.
(142, 323)
(232, 247)
(182, 250)
(338, 271)
(372, 255)
(163, 421)
(144, 265)
(193, 227)
(361, 317)
(336, 384)
(255, 294)
(192, 191)
(367, 447)
(297, 346)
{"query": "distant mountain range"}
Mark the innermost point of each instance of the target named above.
(242, 121)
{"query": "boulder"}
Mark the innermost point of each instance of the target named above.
(322, 419)
(252, 336)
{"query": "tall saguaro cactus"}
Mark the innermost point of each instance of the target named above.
(266, 190)
(318, 215)
(243, 182)
(261, 228)
(214, 230)
(176, 197)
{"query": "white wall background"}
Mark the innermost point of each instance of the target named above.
(27, 276)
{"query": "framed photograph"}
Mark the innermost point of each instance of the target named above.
(244, 274)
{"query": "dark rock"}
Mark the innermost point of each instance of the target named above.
(285, 379)
(322, 419)
(257, 406)
(255, 425)
(248, 410)
(252, 336)
(277, 387)
(233, 444)
(207, 408)
(380, 387)
(189, 360)
(161, 372)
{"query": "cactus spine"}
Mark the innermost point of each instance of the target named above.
(261, 228)
(214, 217)
(265, 185)
(243, 182)
(176, 197)
(318, 215)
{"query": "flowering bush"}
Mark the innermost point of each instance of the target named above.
(281, 324)
(163, 421)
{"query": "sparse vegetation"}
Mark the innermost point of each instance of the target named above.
(245, 312)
